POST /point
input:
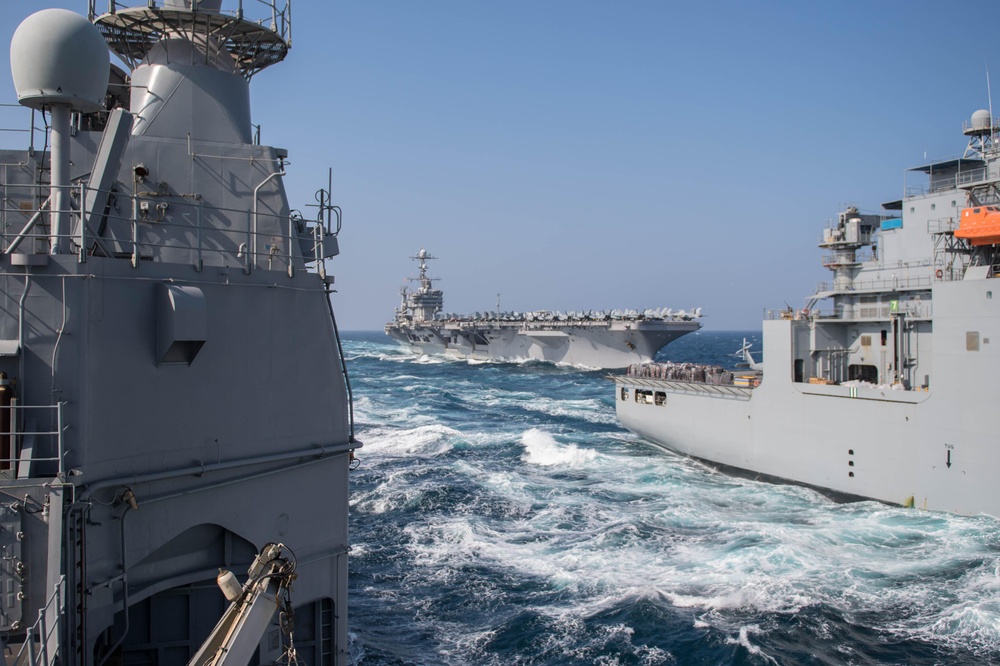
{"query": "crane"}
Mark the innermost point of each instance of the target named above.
(252, 605)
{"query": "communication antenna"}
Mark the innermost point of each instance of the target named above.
(989, 95)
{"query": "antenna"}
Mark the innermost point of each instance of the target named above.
(989, 95)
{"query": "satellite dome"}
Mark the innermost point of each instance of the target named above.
(981, 120)
(58, 57)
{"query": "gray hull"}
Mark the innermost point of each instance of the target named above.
(172, 393)
(928, 449)
(884, 385)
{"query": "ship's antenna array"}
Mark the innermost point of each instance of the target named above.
(989, 95)
(254, 42)
(423, 256)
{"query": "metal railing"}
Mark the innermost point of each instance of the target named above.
(940, 183)
(26, 426)
(279, 15)
(41, 642)
(21, 127)
(890, 284)
(158, 221)
(942, 225)
(832, 260)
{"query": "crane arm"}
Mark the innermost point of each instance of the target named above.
(238, 633)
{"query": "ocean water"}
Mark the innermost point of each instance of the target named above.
(500, 515)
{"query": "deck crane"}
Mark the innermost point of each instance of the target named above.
(252, 606)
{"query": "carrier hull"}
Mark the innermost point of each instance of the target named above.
(602, 345)
(593, 340)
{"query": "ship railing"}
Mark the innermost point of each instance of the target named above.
(942, 225)
(860, 311)
(277, 14)
(152, 224)
(842, 259)
(787, 313)
(537, 325)
(41, 641)
(18, 119)
(977, 175)
(944, 183)
(26, 439)
(968, 125)
(888, 284)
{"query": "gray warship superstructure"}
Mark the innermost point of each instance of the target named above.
(172, 393)
(883, 386)
(592, 340)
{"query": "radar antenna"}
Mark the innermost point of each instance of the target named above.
(423, 256)
(254, 44)
(982, 128)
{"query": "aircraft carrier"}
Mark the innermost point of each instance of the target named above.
(590, 340)
(882, 386)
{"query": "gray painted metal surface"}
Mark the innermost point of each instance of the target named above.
(592, 340)
(172, 393)
(884, 385)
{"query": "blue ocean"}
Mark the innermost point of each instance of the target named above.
(501, 515)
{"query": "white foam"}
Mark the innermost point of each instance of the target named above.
(604, 519)
(425, 440)
(590, 410)
(541, 448)
(744, 641)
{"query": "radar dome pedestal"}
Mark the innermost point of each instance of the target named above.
(60, 62)
(59, 57)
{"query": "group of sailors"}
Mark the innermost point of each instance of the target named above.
(657, 314)
(682, 372)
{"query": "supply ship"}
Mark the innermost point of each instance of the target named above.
(173, 399)
(592, 340)
(882, 386)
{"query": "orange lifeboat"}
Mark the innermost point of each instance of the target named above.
(980, 226)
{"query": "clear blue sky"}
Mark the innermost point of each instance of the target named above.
(575, 154)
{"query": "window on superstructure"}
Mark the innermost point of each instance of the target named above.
(660, 398)
(644, 396)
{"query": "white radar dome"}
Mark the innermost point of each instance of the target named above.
(981, 120)
(59, 57)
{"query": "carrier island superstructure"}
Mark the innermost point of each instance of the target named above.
(592, 339)
(172, 394)
(884, 385)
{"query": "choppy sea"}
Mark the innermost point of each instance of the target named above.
(501, 515)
